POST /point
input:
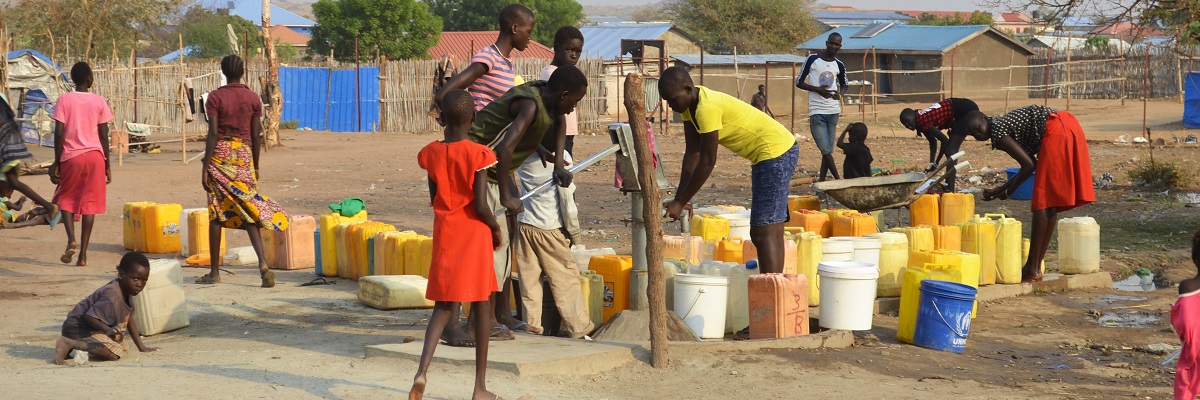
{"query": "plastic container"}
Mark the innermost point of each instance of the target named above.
(1008, 249)
(593, 295)
(161, 228)
(803, 202)
(615, 270)
(808, 258)
(919, 238)
(910, 295)
(162, 304)
(943, 317)
(778, 306)
(750, 252)
(185, 250)
(947, 237)
(317, 250)
(359, 248)
(131, 218)
(979, 237)
(670, 269)
(1025, 255)
(867, 250)
(329, 254)
(729, 250)
(390, 253)
(837, 249)
(340, 254)
(811, 221)
(700, 301)
(680, 247)
(583, 255)
(392, 292)
(737, 307)
(294, 246)
(739, 225)
(197, 233)
(710, 227)
(847, 295)
(1025, 191)
(893, 258)
(418, 255)
(1078, 245)
(854, 225)
(967, 265)
(241, 257)
(957, 208)
(925, 211)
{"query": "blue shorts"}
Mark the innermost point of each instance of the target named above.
(824, 131)
(770, 180)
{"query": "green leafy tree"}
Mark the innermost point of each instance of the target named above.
(481, 15)
(93, 27)
(976, 18)
(207, 34)
(398, 29)
(752, 26)
(1096, 42)
(649, 14)
(287, 53)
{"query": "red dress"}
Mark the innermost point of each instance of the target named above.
(1187, 326)
(461, 268)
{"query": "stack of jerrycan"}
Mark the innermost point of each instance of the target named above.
(352, 241)
(1078, 245)
(808, 257)
(615, 272)
(778, 306)
(925, 211)
(919, 238)
(957, 208)
(811, 221)
(152, 228)
(979, 237)
(328, 250)
(389, 253)
(750, 252)
(1009, 248)
(853, 224)
(803, 202)
(910, 295)
(710, 227)
(893, 258)
(966, 263)
(947, 237)
(291, 248)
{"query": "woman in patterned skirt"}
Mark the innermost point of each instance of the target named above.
(230, 175)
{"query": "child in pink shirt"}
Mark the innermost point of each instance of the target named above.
(1185, 318)
(81, 169)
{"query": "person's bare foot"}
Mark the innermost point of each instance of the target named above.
(82, 261)
(208, 279)
(484, 395)
(418, 389)
(268, 278)
(455, 336)
(1031, 277)
(62, 348)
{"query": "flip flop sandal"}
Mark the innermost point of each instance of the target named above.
(67, 255)
(743, 334)
(318, 281)
(531, 330)
(502, 334)
(54, 221)
(205, 279)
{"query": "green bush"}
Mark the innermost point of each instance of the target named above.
(1158, 175)
(289, 124)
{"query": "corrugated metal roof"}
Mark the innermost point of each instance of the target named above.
(286, 35)
(1077, 21)
(915, 38)
(750, 59)
(464, 45)
(605, 40)
(252, 11)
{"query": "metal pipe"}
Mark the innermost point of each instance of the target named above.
(639, 280)
(579, 166)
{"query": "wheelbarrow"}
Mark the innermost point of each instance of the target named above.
(888, 191)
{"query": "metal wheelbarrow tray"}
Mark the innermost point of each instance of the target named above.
(875, 192)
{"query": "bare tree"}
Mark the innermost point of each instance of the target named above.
(274, 97)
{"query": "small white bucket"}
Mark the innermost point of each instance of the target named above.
(739, 225)
(847, 294)
(837, 249)
(700, 301)
(866, 250)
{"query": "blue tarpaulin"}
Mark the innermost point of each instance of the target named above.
(1191, 100)
(40, 132)
(324, 99)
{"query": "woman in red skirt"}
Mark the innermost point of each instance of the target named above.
(1052, 143)
(81, 169)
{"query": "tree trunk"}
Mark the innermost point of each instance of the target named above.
(274, 96)
(635, 103)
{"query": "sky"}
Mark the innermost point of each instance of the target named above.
(938, 5)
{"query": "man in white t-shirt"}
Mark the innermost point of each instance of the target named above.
(568, 45)
(824, 77)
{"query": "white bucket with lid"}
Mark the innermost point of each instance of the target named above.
(739, 225)
(847, 294)
(700, 301)
(837, 249)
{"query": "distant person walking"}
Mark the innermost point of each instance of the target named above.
(81, 169)
(824, 77)
(759, 101)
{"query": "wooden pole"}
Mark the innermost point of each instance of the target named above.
(1046, 98)
(862, 88)
(651, 213)
(1146, 98)
(182, 102)
(953, 53)
(1124, 80)
(274, 96)
(1179, 69)
(1008, 92)
(792, 115)
(875, 83)
(1068, 85)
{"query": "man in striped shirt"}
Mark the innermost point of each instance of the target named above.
(491, 72)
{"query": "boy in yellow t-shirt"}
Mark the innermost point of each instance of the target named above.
(710, 118)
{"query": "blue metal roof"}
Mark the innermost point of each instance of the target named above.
(1078, 21)
(754, 59)
(252, 11)
(916, 38)
(605, 40)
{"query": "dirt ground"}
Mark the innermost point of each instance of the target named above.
(307, 342)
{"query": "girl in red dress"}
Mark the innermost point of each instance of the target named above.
(465, 234)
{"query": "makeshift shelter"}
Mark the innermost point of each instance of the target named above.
(1191, 100)
(34, 84)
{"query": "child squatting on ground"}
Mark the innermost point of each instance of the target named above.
(9, 219)
(858, 155)
(1185, 318)
(465, 233)
(98, 324)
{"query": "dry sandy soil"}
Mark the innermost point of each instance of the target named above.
(306, 342)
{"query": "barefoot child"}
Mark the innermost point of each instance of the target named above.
(1052, 143)
(230, 172)
(1184, 319)
(858, 155)
(81, 168)
(465, 233)
(711, 118)
(12, 152)
(99, 324)
(568, 44)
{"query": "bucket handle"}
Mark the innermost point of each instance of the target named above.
(694, 301)
(943, 318)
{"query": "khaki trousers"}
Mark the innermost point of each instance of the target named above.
(548, 251)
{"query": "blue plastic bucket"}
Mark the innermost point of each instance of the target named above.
(317, 245)
(944, 315)
(1025, 191)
